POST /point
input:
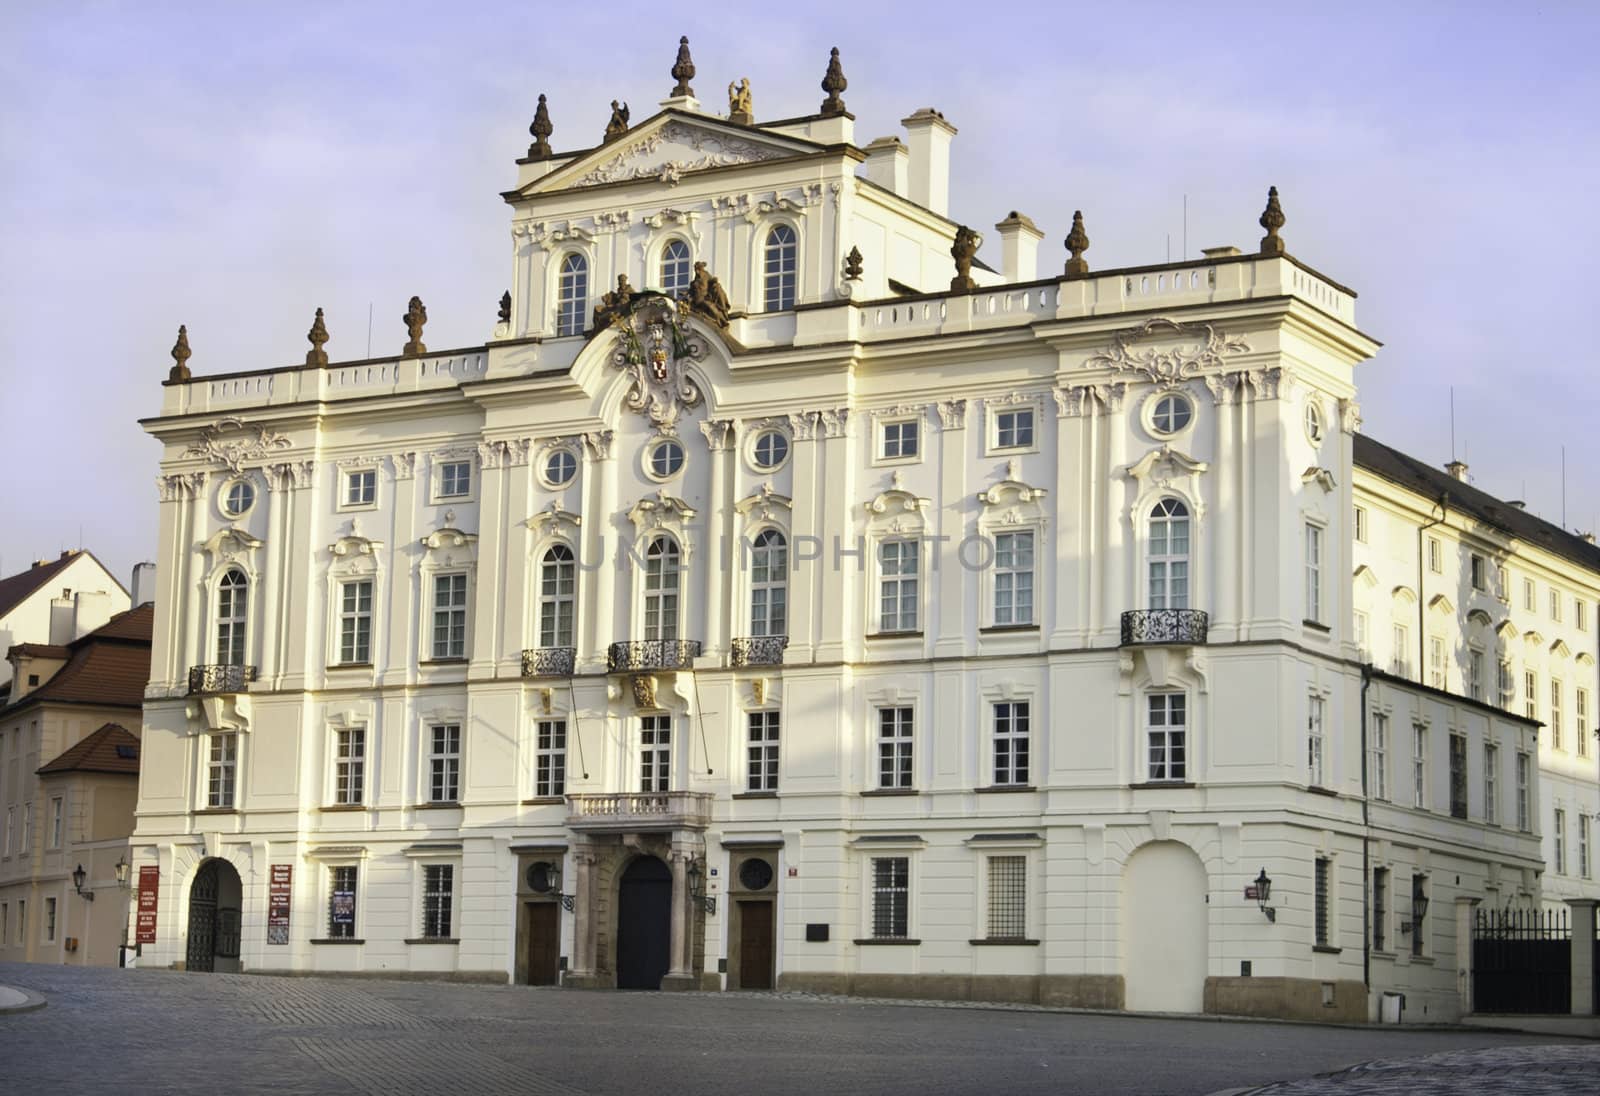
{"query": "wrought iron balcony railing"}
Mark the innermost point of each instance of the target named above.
(652, 654)
(1176, 626)
(213, 680)
(759, 650)
(642, 811)
(548, 661)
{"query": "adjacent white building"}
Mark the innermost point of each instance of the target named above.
(838, 614)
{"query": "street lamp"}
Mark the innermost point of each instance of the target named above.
(545, 878)
(1263, 894)
(707, 902)
(122, 872)
(77, 884)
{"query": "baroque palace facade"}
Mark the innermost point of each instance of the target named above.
(782, 597)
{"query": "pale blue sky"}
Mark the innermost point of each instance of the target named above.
(233, 167)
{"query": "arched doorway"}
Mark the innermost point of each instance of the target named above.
(644, 924)
(1164, 931)
(215, 899)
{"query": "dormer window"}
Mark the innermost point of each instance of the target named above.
(572, 295)
(780, 269)
(675, 268)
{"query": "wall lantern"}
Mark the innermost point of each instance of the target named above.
(77, 884)
(697, 869)
(122, 872)
(1263, 889)
(545, 878)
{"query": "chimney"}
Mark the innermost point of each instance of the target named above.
(1587, 538)
(1019, 247)
(1457, 470)
(1226, 252)
(144, 584)
(91, 609)
(61, 614)
(887, 162)
(928, 137)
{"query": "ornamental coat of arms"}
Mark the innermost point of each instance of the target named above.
(654, 348)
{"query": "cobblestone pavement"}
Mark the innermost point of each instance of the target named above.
(1523, 1071)
(166, 1032)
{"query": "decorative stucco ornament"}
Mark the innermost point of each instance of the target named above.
(257, 441)
(653, 347)
(1171, 367)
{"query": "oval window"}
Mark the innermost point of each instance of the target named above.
(240, 496)
(560, 467)
(1172, 413)
(771, 449)
(1314, 422)
(666, 459)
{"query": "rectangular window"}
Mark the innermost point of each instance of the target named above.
(22, 920)
(5, 923)
(1011, 737)
(558, 586)
(1436, 674)
(1491, 784)
(1323, 869)
(1527, 594)
(450, 616)
(1013, 578)
(1363, 637)
(1419, 905)
(1580, 614)
(455, 479)
(550, 762)
(350, 763)
(361, 487)
(11, 827)
(355, 622)
(50, 920)
(27, 829)
(58, 811)
(1583, 846)
(1502, 584)
(1378, 757)
(444, 763)
(1523, 816)
(1435, 556)
(1507, 683)
(1530, 694)
(891, 897)
(1419, 766)
(438, 890)
(1458, 776)
(1582, 730)
(1380, 908)
(222, 771)
(1008, 898)
(1013, 429)
(1555, 604)
(899, 439)
(342, 903)
(1314, 573)
(1475, 674)
(894, 747)
(1361, 524)
(1166, 728)
(655, 753)
(1400, 666)
(763, 756)
(1480, 572)
(1555, 712)
(897, 562)
(1314, 743)
(1559, 836)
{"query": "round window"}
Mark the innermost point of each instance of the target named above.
(755, 874)
(1172, 413)
(559, 468)
(1314, 422)
(666, 459)
(238, 497)
(771, 449)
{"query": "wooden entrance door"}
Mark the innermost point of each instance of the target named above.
(755, 945)
(544, 943)
(644, 924)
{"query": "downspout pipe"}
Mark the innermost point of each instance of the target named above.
(1366, 841)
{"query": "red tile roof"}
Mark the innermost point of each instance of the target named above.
(111, 749)
(110, 666)
(15, 589)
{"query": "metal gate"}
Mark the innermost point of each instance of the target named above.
(203, 919)
(1521, 961)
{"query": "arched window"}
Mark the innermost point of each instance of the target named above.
(661, 583)
(675, 269)
(572, 295)
(1169, 555)
(769, 585)
(780, 269)
(558, 580)
(233, 596)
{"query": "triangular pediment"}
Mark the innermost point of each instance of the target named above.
(667, 147)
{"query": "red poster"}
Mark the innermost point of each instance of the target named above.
(149, 891)
(278, 903)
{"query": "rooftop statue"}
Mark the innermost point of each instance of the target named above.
(707, 298)
(740, 109)
(613, 306)
(963, 250)
(619, 121)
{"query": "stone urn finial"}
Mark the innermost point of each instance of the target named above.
(505, 307)
(317, 336)
(683, 71)
(1272, 219)
(852, 265)
(180, 356)
(416, 315)
(541, 130)
(833, 83)
(1077, 242)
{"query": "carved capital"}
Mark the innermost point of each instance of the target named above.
(1265, 383)
(1349, 416)
(1223, 386)
(802, 425)
(952, 413)
(718, 434)
(832, 422)
(405, 465)
(599, 443)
